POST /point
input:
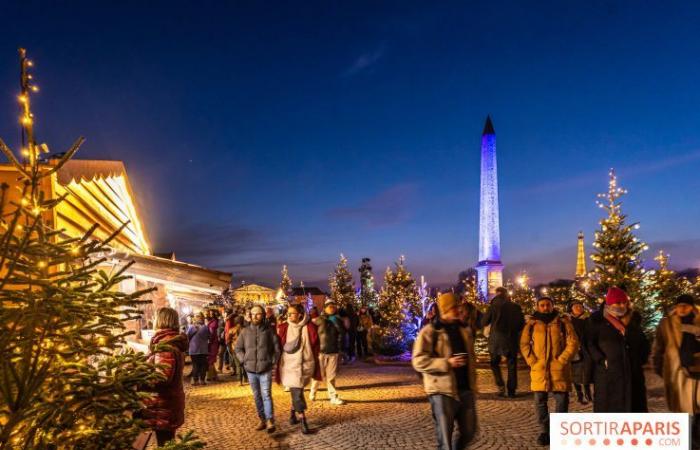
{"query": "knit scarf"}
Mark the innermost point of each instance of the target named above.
(615, 321)
(294, 335)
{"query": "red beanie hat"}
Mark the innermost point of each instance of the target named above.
(616, 295)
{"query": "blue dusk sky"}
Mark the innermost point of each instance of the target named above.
(264, 133)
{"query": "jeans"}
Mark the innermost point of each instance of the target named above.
(561, 400)
(512, 371)
(199, 367)
(261, 385)
(298, 401)
(446, 411)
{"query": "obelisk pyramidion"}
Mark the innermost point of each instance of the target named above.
(489, 269)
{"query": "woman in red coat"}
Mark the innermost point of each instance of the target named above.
(165, 412)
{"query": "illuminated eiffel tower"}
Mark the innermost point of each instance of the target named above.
(580, 258)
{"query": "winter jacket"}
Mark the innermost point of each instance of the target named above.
(331, 333)
(430, 354)
(213, 341)
(548, 349)
(295, 370)
(617, 363)
(682, 390)
(506, 320)
(581, 361)
(258, 348)
(166, 411)
(199, 339)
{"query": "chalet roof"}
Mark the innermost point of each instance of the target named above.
(177, 271)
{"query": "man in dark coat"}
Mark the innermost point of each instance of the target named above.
(258, 350)
(506, 321)
(618, 350)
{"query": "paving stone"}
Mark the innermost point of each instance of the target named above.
(386, 409)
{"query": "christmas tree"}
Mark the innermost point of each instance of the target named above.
(400, 309)
(368, 294)
(617, 256)
(664, 285)
(285, 283)
(67, 379)
(468, 288)
(340, 282)
(522, 294)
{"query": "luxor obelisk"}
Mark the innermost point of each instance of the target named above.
(489, 268)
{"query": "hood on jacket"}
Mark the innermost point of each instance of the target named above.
(169, 337)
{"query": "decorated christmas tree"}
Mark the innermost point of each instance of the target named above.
(285, 283)
(368, 294)
(469, 288)
(400, 309)
(664, 285)
(617, 256)
(340, 283)
(67, 379)
(522, 294)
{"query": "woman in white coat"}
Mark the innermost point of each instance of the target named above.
(299, 363)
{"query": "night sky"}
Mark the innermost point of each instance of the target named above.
(264, 133)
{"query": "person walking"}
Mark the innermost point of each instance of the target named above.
(232, 334)
(618, 349)
(505, 321)
(548, 342)
(165, 412)
(258, 350)
(351, 328)
(580, 363)
(299, 362)
(364, 324)
(444, 354)
(198, 334)
(213, 324)
(330, 332)
(676, 358)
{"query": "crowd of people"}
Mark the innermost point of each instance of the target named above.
(292, 346)
(600, 356)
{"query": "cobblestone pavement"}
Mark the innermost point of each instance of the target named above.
(386, 409)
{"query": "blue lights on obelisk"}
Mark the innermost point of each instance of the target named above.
(489, 268)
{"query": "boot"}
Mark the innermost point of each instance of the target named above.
(502, 391)
(271, 426)
(304, 426)
(261, 425)
(579, 394)
(293, 418)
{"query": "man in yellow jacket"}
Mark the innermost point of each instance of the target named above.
(444, 354)
(548, 343)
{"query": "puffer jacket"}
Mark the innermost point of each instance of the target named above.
(548, 349)
(430, 354)
(166, 411)
(331, 333)
(258, 348)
